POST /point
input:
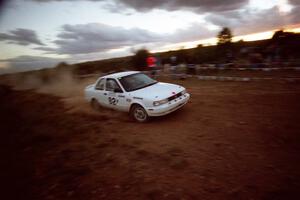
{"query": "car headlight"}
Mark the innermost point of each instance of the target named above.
(158, 103)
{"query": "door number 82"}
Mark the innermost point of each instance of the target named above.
(112, 100)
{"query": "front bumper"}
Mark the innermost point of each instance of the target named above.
(168, 107)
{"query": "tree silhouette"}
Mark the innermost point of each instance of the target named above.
(224, 48)
(139, 60)
(279, 34)
(224, 36)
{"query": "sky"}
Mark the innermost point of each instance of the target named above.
(40, 33)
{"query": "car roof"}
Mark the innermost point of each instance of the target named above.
(120, 74)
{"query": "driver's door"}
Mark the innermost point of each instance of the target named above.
(100, 93)
(115, 95)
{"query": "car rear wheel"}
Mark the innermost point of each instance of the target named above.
(139, 113)
(95, 104)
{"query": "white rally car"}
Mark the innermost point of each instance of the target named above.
(136, 93)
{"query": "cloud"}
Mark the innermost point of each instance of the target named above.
(194, 5)
(21, 36)
(98, 37)
(194, 31)
(170, 5)
(294, 2)
(295, 14)
(251, 21)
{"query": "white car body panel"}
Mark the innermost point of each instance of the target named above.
(144, 96)
(158, 91)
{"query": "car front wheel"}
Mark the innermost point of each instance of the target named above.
(139, 113)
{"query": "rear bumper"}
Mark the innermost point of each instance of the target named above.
(168, 107)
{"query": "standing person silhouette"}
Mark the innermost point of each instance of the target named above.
(151, 62)
(173, 61)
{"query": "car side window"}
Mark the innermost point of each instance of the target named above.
(100, 84)
(111, 85)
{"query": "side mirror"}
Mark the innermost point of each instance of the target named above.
(118, 90)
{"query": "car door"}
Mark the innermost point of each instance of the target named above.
(115, 95)
(100, 93)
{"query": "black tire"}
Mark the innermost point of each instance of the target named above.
(139, 114)
(95, 104)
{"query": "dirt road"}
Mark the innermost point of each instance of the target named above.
(233, 140)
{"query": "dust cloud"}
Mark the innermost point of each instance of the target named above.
(63, 84)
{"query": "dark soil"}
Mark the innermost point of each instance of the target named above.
(231, 141)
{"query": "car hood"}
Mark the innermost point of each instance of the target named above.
(158, 91)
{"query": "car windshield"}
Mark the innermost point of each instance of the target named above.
(136, 81)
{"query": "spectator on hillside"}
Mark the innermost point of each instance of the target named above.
(229, 56)
(158, 62)
(151, 62)
(191, 67)
(173, 62)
